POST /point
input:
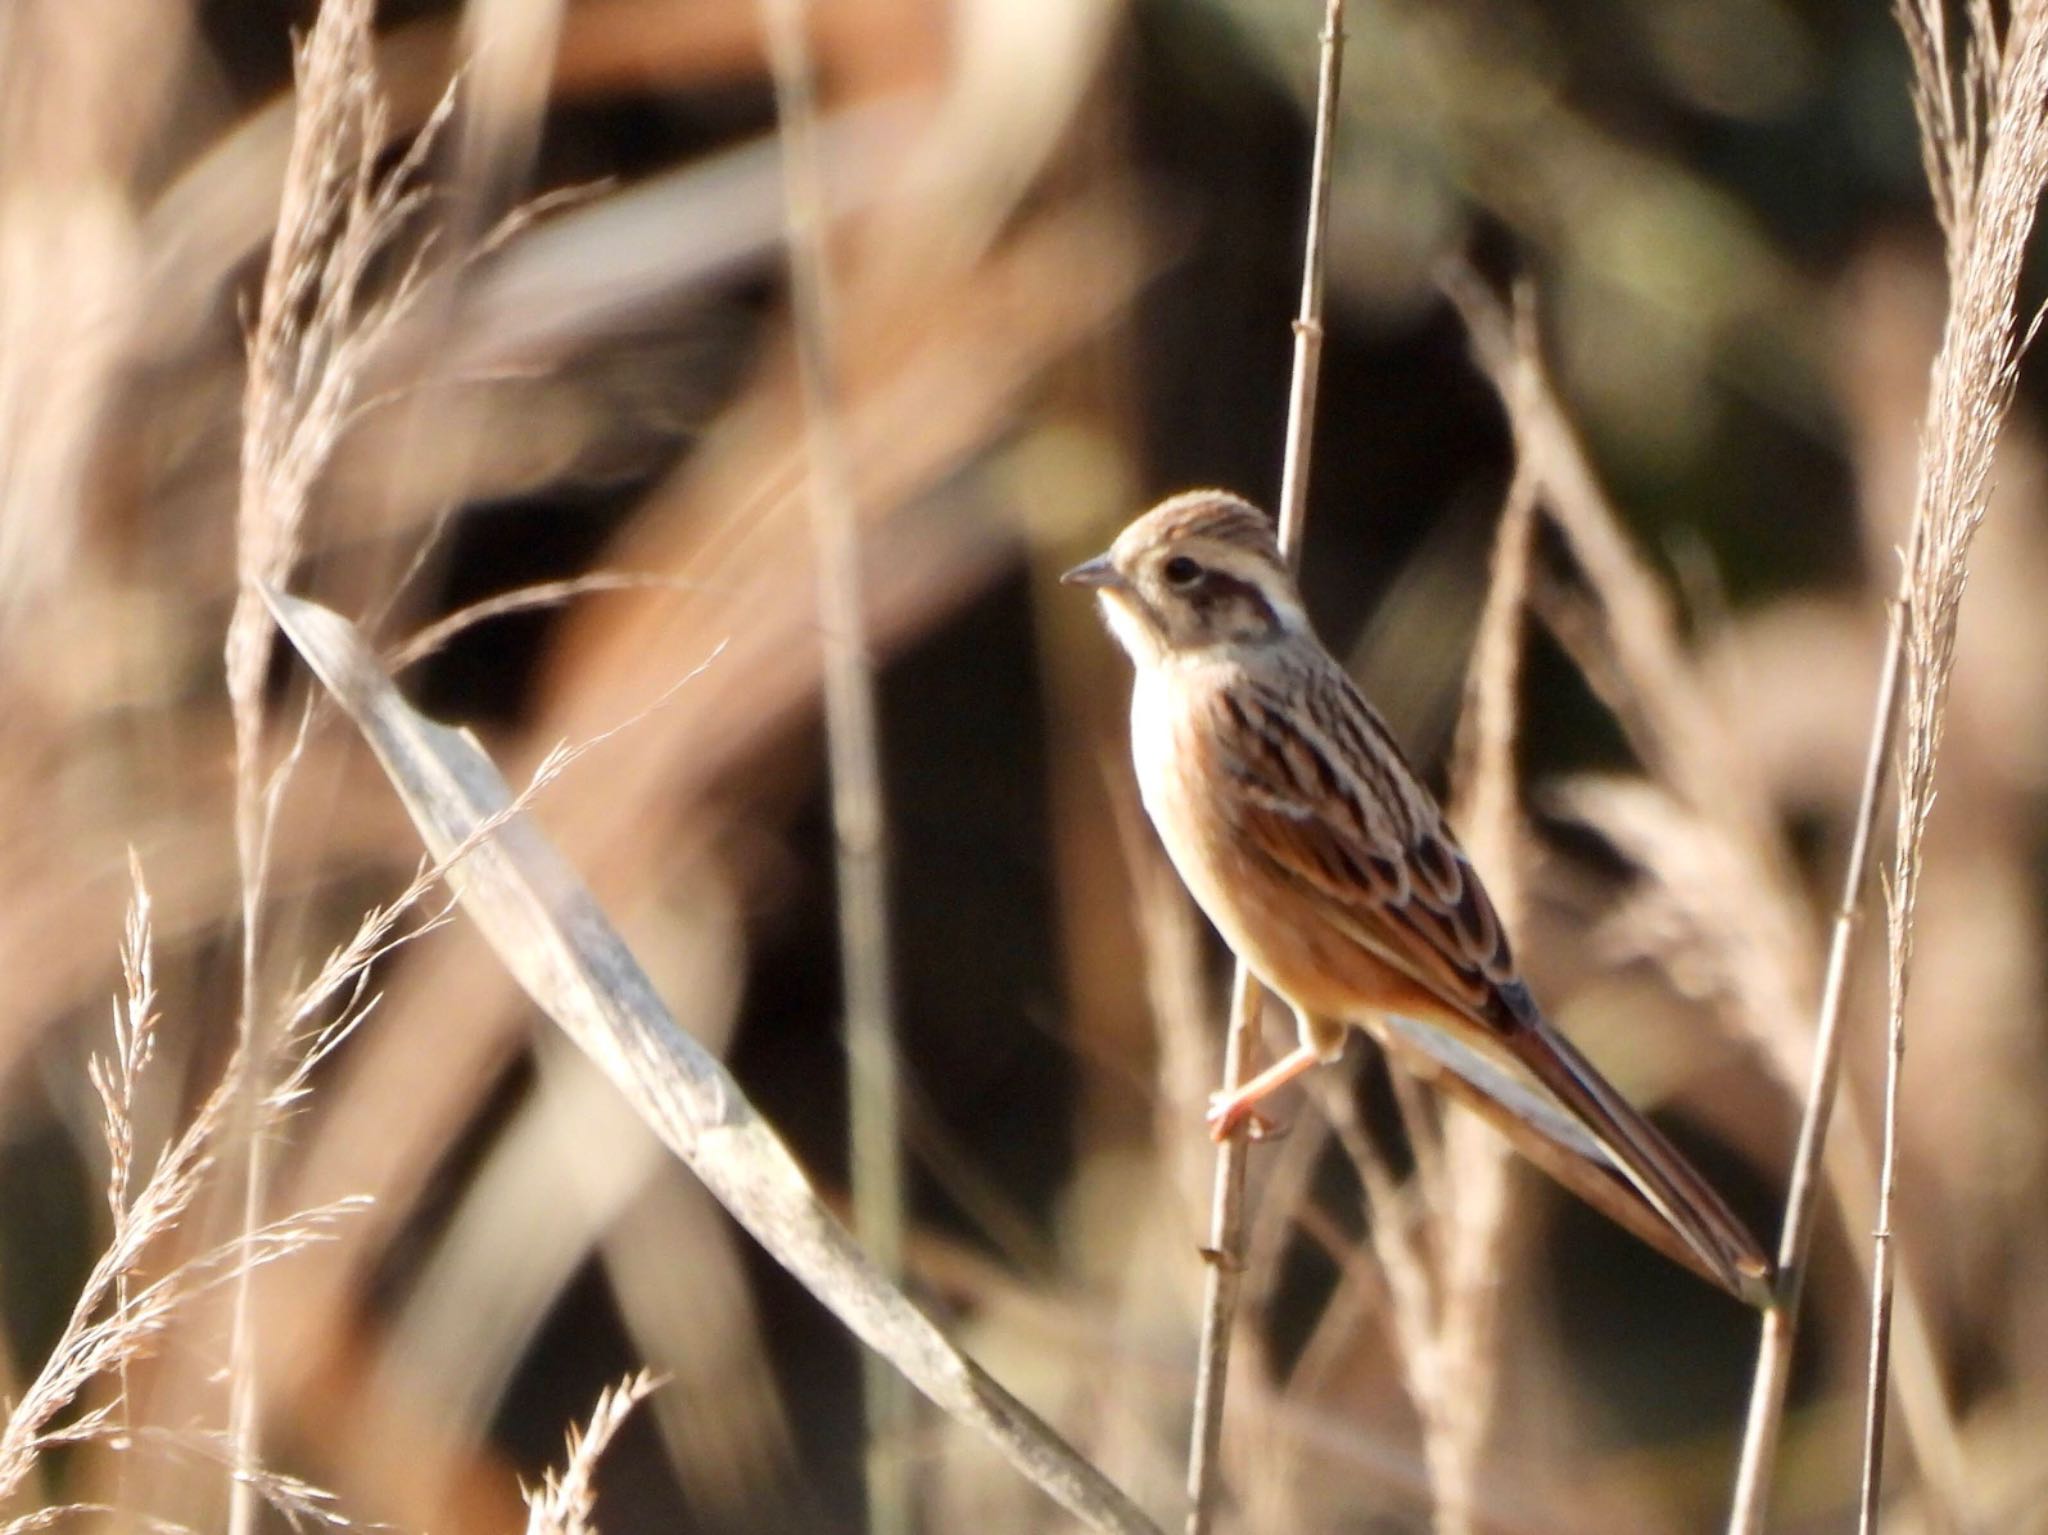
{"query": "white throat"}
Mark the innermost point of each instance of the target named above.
(1131, 631)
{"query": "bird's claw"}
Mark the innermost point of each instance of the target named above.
(1228, 1114)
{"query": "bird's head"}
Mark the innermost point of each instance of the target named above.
(1198, 571)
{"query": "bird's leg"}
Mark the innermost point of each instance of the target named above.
(1229, 1110)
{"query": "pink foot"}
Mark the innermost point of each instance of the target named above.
(1231, 1112)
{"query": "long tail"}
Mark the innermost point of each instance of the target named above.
(1659, 1171)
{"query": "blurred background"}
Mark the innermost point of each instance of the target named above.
(1067, 244)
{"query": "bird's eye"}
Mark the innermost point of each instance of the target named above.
(1181, 571)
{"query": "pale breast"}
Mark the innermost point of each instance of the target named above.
(1291, 950)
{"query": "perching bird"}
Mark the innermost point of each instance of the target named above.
(1302, 832)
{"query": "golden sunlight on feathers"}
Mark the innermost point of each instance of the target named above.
(1302, 831)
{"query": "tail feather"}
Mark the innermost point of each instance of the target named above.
(1543, 1108)
(1659, 1171)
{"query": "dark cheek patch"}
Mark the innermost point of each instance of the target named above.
(1216, 590)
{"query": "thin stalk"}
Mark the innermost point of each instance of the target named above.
(1988, 181)
(243, 1394)
(1226, 1268)
(330, 70)
(1226, 1212)
(858, 815)
(1472, 1208)
(1877, 1399)
(1802, 1200)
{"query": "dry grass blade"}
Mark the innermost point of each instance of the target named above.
(1226, 1224)
(1985, 138)
(544, 925)
(541, 595)
(562, 1504)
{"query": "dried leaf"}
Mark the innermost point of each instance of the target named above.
(548, 930)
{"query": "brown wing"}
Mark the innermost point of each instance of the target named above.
(1324, 797)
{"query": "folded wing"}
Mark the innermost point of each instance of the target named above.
(1322, 796)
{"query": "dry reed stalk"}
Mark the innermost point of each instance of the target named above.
(859, 810)
(509, 48)
(1721, 867)
(1719, 873)
(735, 529)
(1773, 1377)
(1445, 1306)
(1711, 813)
(1395, 1219)
(1225, 1260)
(316, 327)
(565, 1499)
(1486, 810)
(1984, 138)
(1226, 1223)
(547, 929)
(1953, 196)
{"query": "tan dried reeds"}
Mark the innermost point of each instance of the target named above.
(966, 187)
(317, 324)
(1984, 139)
(1472, 1209)
(128, 1303)
(546, 928)
(1718, 902)
(564, 1501)
(860, 819)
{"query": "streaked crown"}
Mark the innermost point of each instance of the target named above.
(1200, 569)
(1213, 518)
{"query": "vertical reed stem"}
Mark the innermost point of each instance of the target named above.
(858, 813)
(1802, 1200)
(1226, 1214)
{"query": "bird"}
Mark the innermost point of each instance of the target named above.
(1297, 824)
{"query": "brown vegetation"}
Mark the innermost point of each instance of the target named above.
(388, 340)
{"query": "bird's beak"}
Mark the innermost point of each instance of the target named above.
(1098, 572)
